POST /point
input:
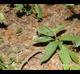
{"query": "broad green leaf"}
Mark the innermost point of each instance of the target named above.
(1, 61)
(74, 56)
(43, 39)
(45, 30)
(49, 50)
(2, 17)
(74, 67)
(28, 9)
(64, 54)
(66, 67)
(75, 39)
(58, 29)
(69, 5)
(67, 37)
(38, 11)
(19, 7)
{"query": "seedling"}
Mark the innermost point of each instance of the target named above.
(24, 8)
(1, 40)
(4, 66)
(69, 5)
(19, 30)
(11, 60)
(38, 12)
(2, 17)
(28, 10)
(55, 42)
(19, 7)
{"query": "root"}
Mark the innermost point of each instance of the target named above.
(29, 57)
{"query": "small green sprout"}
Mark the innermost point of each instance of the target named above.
(11, 60)
(69, 5)
(23, 8)
(38, 12)
(1, 40)
(19, 30)
(2, 17)
(4, 66)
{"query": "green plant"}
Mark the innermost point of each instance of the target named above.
(2, 17)
(57, 41)
(19, 30)
(1, 40)
(23, 8)
(29, 9)
(69, 5)
(11, 60)
(38, 12)
(4, 66)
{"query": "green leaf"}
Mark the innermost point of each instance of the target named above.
(9, 67)
(66, 67)
(27, 9)
(67, 37)
(2, 65)
(64, 54)
(43, 39)
(74, 56)
(74, 67)
(19, 7)
(18, 30)
(38, 11)
(69, 5)
(75, 39)
(11, 60)
(1, 61)
(49, 50)
(45, 30)
(58, 29)
(2, 17)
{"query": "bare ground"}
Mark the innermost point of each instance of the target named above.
(19, 46)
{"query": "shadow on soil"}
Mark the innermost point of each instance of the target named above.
(74, 16)
(20, 14)
(40, 44)
(77, 49)
(2, 25)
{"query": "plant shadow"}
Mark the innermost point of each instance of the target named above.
(60, 33)
(77, 49)
(67, 42)
(12, 5)
(25, 11)
(20, 14)
(40, 44)
(2, 25)
(74, 16)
